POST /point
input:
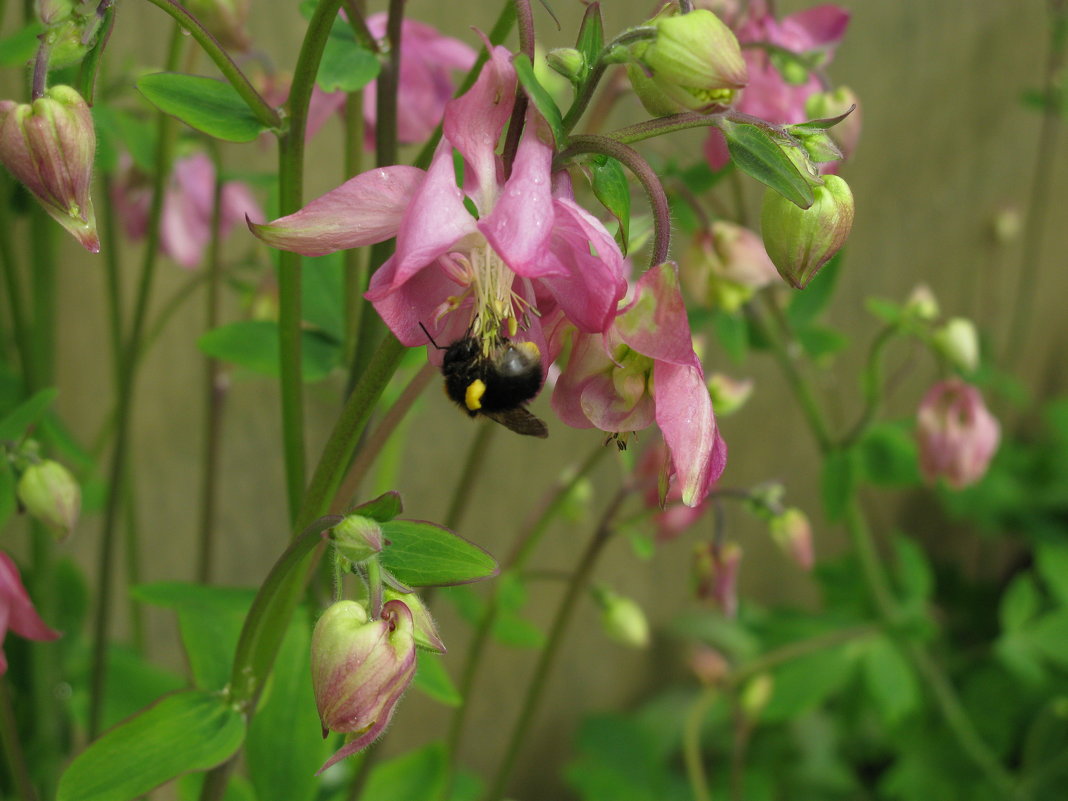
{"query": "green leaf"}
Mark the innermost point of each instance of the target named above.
(1019, 604)
(820, 342)
(383, 508)
(1049, 634)
(889, 456)
(283, 749)
(13, 425)
(886, 310)
(590, 41)
(418, 775)
(425, 555)
(508, 627)
(889, 679)
(806, 307)
(804, 683)
(210, 106)
(187, 731)
(322, 293)
(538, 95)
(253, 344)
(115, 128)
(839, 482)
(612, 190)
(1051, 559)
(913, 572)
(759, 156)
(346, 65)
(20, 47)
(8, 502)
(732, 333)
(1055, 101)
(238, 788)
(433, 680)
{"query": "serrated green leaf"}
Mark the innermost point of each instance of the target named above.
(806, 307)
(346, 65)
(253, 344)
(1019, 603)
(838, 482)
(432, 679)
(732, 332)
(187, 731)
(14, 424)
(889, 679)
(426, 555)
(383, 508)
(20, 47)
(759, 156)
(889, 455)
(538, 95)
(611, 188)
(210, 106)
(418, 775)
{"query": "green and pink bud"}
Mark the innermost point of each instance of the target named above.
(49, 147)
(693, 63)
(958, 341)
(792, 532)
(729, 394)
(800, 241)
(622, 618)
(426, 630)
(357, 538)
(49, 493)
(725, 266)
(360, 669)
(956, 434)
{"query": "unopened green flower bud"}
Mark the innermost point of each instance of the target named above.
(792, 532)
(728, 394)
(800, 241)
(357, 538)
(622, 619)
(50, 12)
(693, 64)
(567, 61)
(360, 669)
(958, 341)
(50, 494)
(426, 631)
(922, 304)
(49, 146)
(756, 694)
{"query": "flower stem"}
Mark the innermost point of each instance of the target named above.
(646, 175)
(13, 286)
(165, 127)
(263, 110)
(691, 744)
(12, 746)
(564, 613)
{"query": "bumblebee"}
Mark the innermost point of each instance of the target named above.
(496, 382)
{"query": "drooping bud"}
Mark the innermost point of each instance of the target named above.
(357, 538)
(225, 19)
(792, 532)
(693, 64)
(957, 435)
(360, 669)
(958, 341)
(825, 105)
(800, 241)
(49, 146)
(50, 494)
(567, 61)
(725, 266)
(728, 394)
(622, 619)
(426, 630)
(922, 304)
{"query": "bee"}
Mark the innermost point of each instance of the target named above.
(498, 384)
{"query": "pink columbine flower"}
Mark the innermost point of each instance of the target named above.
(185, 229)
(642, 369)
(813, 34)
(530, 252)
(662, 491)
(957, 435)
(16, 610)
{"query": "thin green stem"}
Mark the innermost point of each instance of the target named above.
(691, 744)
(263, 110)
(12, 746)
(564, 614)
(124, 405)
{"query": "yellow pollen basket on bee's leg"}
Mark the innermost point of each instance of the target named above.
(473, 396)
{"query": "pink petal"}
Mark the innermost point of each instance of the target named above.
(238, 203)
(684, 415)
(184, 231)
(403, 306)
(821, 26)
(21, 617)
(655, 322)
(362, 211)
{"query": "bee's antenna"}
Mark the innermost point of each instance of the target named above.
(432, 342)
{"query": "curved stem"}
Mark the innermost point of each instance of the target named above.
(227, 66)
(564, 613)
(691, 744)
(124, 405)
(646, 175)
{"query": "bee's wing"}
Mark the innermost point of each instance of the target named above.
(520, 421)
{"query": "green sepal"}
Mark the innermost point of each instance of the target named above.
(757, 154)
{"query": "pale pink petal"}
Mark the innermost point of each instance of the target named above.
(320, 108)
(403, 306)
(18, 611)
(716, 153)
(238, 203)
(362, 211)
(820, 26)
(184, 231)
(684, 415)
(655, 322)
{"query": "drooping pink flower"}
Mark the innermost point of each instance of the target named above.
(185, 228)
(16, 610)
(529, 253)
(642, 369)
(428, 60)
(655, 474)
(956, 433)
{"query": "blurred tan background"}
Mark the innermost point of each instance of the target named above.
(946, 146)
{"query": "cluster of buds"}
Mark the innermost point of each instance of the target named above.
(49, 145)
